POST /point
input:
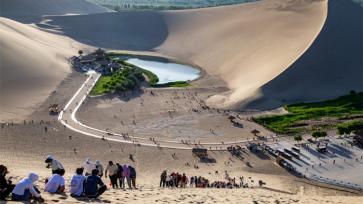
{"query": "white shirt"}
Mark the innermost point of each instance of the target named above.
(55, 181)
(77, 184)
(23, 185)
(56, 165)
(112, 169)
(88, 167)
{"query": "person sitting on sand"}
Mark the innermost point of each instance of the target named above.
(56, 183)
(112, 172)
(88, 166)
(77, 181)
(53, 163)
(6, 186)
(93, 185)
(25, 190)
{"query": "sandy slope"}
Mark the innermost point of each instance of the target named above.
(331, 67)
(26, 10)
(32, 64)
(246, 45)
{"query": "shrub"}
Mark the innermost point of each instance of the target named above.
(349, 127)
(318, 134)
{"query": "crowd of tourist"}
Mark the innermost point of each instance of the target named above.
(177, 180)
(86, 182)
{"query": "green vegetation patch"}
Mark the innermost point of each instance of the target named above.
(349, 127)
(342, 107)
(126, 78)
(100, 86)
(175, 84)
(153, 79)
(120, 5)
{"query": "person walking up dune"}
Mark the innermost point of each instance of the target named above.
(126, 173)
(53, 164)
(120, 176)
(88, 166)
(133, 177)
(99, 167)
(111, 169)
(163, 179)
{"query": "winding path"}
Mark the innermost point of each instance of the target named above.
(68, 118)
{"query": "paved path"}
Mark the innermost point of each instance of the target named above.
(68, 118)
(341, 165)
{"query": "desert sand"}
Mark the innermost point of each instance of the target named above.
(248, 52)
(32, 65)
(27, 154)
(241, 44)
(27, 11)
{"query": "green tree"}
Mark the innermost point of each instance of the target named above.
(318, 134)
(349, 127)
(298, 138)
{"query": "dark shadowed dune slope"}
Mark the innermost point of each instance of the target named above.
(331, 67)
(136, 30)
(27, 11)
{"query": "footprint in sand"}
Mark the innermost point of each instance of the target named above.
(106, 201)
(63, 198)
(56, 201)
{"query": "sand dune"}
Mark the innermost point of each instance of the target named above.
(28, 10)
(331, 67)
(246, 45)
(32, 64)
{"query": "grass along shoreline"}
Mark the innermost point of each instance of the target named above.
(307, 117)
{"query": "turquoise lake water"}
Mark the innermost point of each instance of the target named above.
(167, 72)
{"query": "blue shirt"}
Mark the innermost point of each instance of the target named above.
(91, 185)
